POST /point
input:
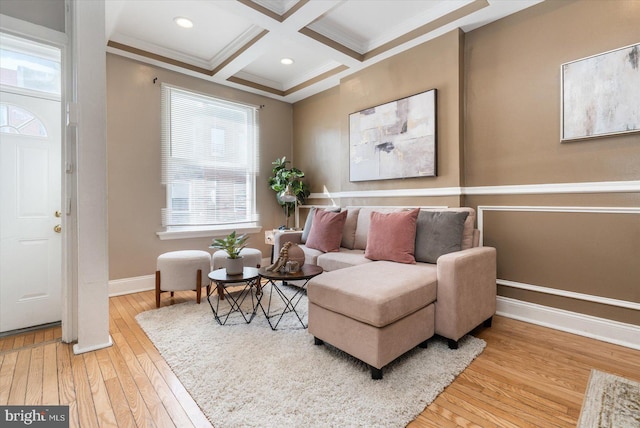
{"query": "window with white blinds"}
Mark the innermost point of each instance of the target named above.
(209, 158)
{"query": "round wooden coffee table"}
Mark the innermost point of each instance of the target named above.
(277, 280)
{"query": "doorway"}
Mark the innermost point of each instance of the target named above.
(31, 211)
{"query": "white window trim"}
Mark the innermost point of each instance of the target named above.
(207, 232)
(210, 231)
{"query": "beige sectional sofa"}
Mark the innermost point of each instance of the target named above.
(376, 310)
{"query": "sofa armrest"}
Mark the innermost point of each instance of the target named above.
(466, 294)
(282, 236)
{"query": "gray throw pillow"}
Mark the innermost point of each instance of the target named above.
(309, 222)
(307, 225)
(438, 233)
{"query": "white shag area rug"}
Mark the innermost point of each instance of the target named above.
(610, 402)
(246, 375)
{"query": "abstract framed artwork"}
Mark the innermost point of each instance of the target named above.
(394, 140)
(601, 95)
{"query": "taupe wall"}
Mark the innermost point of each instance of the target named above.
(513, 95)
(133, 143)
(321, 126)
(317, 140)
(506, 132)
(512, 127)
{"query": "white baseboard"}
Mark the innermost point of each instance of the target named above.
(615, 332)
(118, 287)
(572, 322)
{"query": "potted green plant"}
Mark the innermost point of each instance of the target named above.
(288, 185)
(232, 244)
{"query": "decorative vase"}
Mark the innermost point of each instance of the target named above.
(296, 254)
(234, 266)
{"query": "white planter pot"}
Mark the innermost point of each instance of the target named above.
(235, 266)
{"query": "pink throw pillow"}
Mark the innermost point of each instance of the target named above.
(392, 236)
(326, 231)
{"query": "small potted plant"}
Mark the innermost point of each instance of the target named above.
(232, 244)
(288, 180)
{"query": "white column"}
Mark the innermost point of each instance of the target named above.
(92, 264)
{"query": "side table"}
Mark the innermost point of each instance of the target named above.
(305, 273)
(269, 239)
(249, 279)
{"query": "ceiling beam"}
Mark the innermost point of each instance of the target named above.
(429, 27)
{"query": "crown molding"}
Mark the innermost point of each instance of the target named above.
(122, 42)
(417, 21)
(237, 46)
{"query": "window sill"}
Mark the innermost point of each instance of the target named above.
(206, 232)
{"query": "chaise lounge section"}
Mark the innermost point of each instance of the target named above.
(375, 319)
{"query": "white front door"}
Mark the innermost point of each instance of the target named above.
(30, 211)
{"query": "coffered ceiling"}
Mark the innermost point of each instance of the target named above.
(240, 43)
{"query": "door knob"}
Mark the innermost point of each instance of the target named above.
(57, 228)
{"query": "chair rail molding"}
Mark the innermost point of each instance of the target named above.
(554, 188)
(632, 186)
(389, 193)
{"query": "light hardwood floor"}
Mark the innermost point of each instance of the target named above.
(528, 376)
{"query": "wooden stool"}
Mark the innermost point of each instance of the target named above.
(182, 270)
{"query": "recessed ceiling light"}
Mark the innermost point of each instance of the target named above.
(286, 61)
(183, 22)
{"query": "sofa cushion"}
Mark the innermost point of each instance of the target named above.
(469, 228)
(469, 233)
(364, 220)
(343, 259)
(349, 229)
(376, 293)
(326, 230)
(438, 233)
(309, 221)
(392, 236)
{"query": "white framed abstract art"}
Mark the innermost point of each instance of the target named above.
(394, 140)
(601, 95)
